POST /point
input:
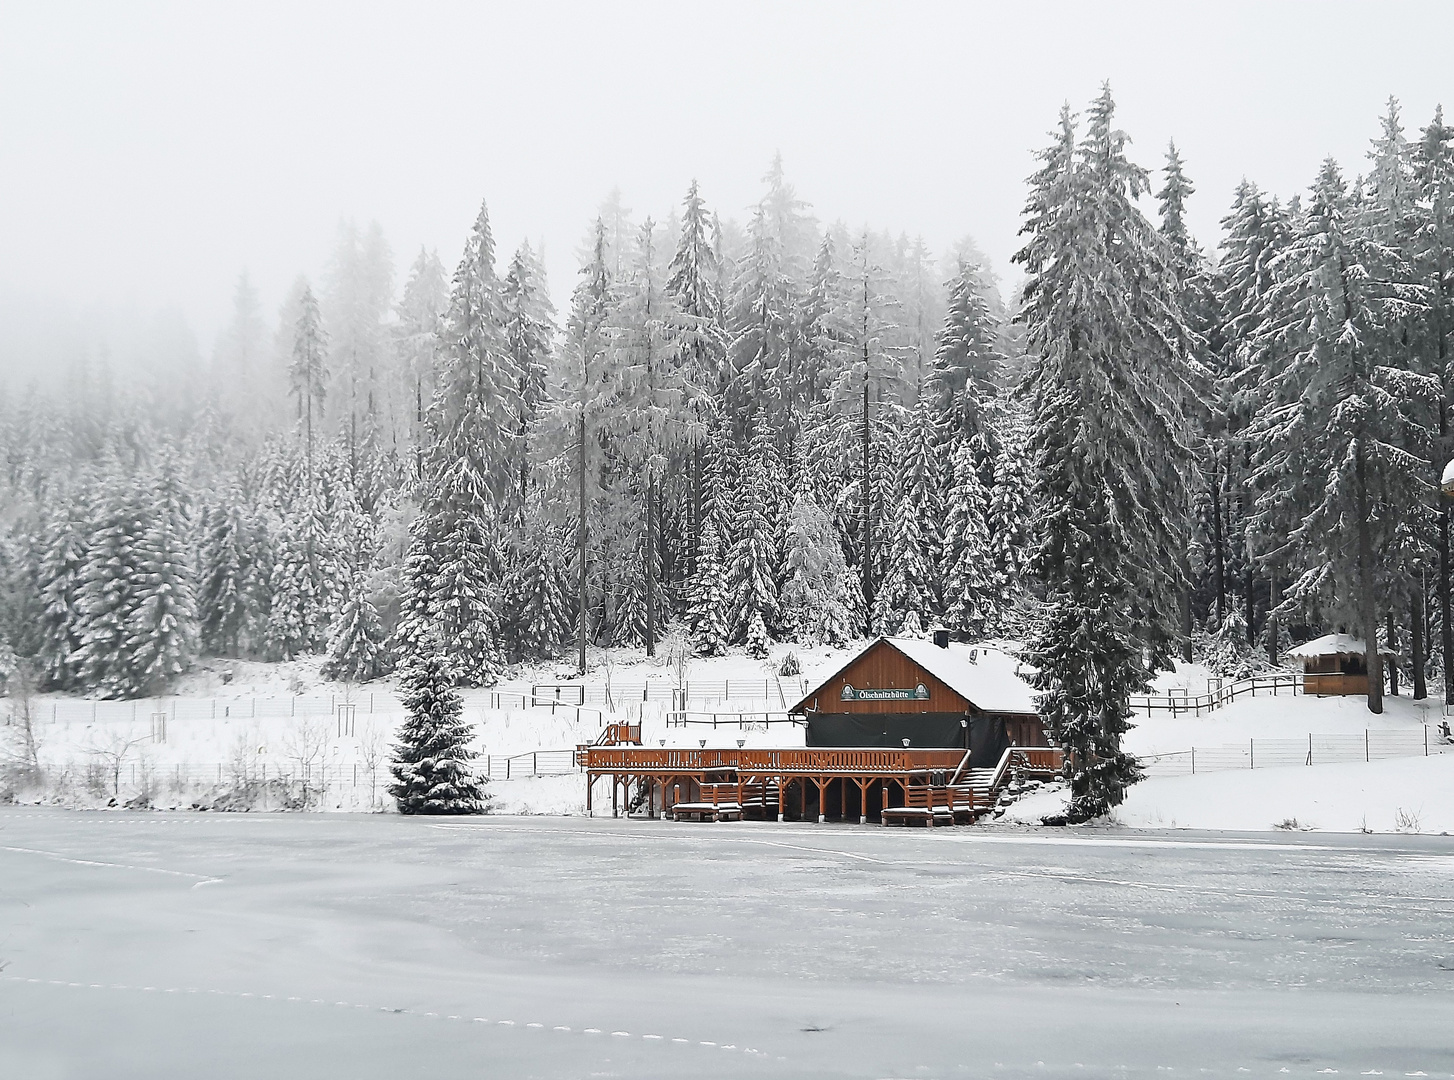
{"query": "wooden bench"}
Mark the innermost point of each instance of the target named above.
(716, 801)
(707, 811)
(931, 806)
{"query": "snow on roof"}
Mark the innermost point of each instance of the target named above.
(1333, 645)
(990, 681)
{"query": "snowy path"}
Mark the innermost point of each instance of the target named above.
(367, 946)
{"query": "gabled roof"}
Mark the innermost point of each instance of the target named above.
(1334, 645)
(991, 682)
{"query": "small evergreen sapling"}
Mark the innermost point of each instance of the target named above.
(431, 766)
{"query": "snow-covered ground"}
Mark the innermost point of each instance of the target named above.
(1405, 795)
(214, 739)
(163, 946)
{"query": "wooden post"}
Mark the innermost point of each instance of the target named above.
(590, 783)
(782, 799)
(615, 780)
(863, 805)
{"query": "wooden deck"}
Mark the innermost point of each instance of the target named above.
(845, 784)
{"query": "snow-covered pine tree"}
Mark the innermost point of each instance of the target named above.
(1197, 301)
(1254, 232)
(62, 571)
(529, 327)
(416, 614)
(764, 300)
(1342, 440)
(108, 591)
(755, 559)
(224, 602)
(1009, 516)
(416, 343)
(819, 591)
(358, 650)
(1110, 373)
(708, 612)
(432, 761)
(473, 461)
(973, 602)
(308, 372)
(538, 590)
(294, 603)
(1433, 256)
(904, 596)
(967, 362)
(161, 629)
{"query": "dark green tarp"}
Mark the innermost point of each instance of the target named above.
(925, 731)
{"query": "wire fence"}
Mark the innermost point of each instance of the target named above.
(1327, 749)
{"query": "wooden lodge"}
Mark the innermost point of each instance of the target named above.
(1335, 664)
(904, 731)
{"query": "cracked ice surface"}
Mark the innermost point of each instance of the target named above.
(378, 946)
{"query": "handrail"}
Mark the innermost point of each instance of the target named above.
(811, 760)
(964, 764)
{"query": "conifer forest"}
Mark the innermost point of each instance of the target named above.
(760, 427)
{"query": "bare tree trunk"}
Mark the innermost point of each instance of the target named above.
(1367, 603)
(866, 498)
(1273, 601)
(650, 565)
(1219, 561)
(1417, 660)
(1393, 646)
(581, 538)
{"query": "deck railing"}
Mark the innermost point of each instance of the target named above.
(819, 761)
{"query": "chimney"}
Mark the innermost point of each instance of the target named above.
(941, 637)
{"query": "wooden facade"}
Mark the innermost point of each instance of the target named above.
(786, 784)
(1335, 674)
(882, 667)
(911, 702)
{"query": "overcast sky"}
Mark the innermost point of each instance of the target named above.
(149, 152)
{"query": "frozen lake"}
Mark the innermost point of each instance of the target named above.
(186, 945)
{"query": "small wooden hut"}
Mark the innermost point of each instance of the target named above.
(1335, 664)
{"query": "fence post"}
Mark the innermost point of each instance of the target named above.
(534, 764)
(1252, 749)
(1426, 740)
(1193, 760)
(1367, 756)
(1310, 748)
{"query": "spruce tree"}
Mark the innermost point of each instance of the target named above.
(161, 628)
(709, 610)
(108, 594)
(818, 592)
(61, 573)
(225, 600)
(755, 559)
(973, 603)
(357, 651)
(1342, 437)
(432, 758)
(1112, 461)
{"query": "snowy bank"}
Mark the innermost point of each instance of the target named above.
(1411, 795)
